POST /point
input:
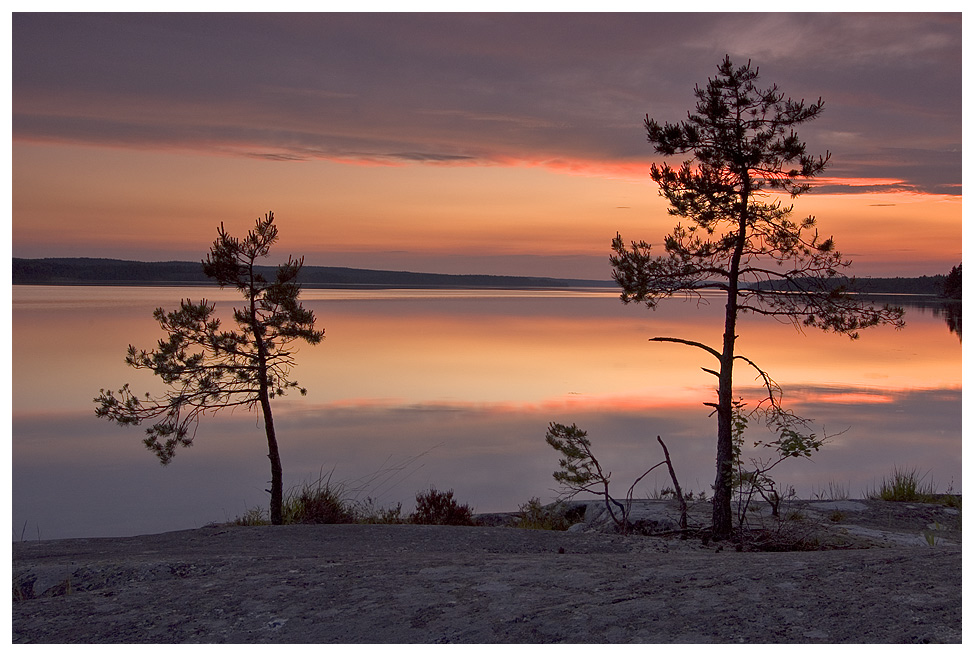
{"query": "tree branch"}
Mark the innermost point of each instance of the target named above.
(690, 343)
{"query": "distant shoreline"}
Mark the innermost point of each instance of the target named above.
(135, 273)
(607, 286)
(102, 271)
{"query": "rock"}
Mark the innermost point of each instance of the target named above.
(496, 519)
(646, 517)
(344, 584)
(838, 505)
(41, 581)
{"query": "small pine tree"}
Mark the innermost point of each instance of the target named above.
(207, 368)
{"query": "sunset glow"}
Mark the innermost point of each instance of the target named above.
(431, 154)
(461, 143)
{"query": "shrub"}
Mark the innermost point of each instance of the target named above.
(581, 473)
(317, 508)
(557, 517)
(317, 503)
(435, 507)
(324, 502)
(369, 512)
(252, 517)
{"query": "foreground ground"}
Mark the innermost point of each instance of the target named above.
(425, 584)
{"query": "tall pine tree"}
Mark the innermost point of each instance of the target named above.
(744, 156)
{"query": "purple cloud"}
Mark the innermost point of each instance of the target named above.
(493, 88)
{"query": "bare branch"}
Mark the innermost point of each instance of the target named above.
(690, 343)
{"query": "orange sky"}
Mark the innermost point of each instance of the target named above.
(165, 205)
(496, 153)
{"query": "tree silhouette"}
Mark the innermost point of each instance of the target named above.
(745, 154)
(206, 368)
(952, 284)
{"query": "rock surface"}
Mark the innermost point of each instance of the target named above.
(426, 584)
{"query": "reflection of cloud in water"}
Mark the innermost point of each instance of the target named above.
(494, 456)
(471, 382)
(851, 397)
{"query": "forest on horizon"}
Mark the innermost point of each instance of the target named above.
(106, 271)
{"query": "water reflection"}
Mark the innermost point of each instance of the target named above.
(472, 381)
(949, 310)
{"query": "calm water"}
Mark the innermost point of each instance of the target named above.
(455, 389)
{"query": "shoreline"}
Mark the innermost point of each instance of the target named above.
(904, 523)
(441, 584)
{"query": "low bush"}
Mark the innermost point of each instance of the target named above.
(323, 507)
(556, 517)
(369, 512)
(252, 517)
(318, 502)
(435, 507)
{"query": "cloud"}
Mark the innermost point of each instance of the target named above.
(492, 89)
(278, 157)
(429, 157)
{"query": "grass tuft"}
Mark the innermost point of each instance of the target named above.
(905, 486)
(369, 512)
(910, 486)
(317, 503)
(833, 491)
(252, 518)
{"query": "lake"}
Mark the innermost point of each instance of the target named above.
(455, 389)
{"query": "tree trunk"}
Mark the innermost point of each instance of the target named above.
(277, 482)
(277, 477)
(721, 518)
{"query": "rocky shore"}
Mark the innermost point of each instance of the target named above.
(898, 581)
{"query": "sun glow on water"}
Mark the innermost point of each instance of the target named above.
(470, 380)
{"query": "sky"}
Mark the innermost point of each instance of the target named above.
(459, 143)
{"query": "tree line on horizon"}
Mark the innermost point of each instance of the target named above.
(936, 285)
(106, 271)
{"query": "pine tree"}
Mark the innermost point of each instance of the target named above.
(744, 156)
(206, 368)
(952, 284)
